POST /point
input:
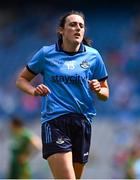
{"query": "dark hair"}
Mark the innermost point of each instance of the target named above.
(86, 40)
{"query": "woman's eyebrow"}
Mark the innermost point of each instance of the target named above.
(76, 22)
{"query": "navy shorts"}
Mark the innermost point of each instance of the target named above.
(69, 132)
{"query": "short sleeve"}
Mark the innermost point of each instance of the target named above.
(36, 64)
(100, 72)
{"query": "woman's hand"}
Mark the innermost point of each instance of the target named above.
(94, 85)
(100, 88)
(41, 90)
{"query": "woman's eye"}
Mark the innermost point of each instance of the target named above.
(75, 24)
(72, 24)
(81, 26)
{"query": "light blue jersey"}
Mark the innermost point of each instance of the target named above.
(67, 75)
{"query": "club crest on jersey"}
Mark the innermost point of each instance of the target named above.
(60, 141)
(85, 64)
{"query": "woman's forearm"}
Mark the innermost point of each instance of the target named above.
(25, 86)
(103, 94)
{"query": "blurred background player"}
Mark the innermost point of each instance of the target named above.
(23, 145)
(132, 165)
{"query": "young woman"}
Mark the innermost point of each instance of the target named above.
(72, 74)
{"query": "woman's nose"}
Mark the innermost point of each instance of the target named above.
(78, 27)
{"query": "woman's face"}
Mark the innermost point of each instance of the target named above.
(73, 30)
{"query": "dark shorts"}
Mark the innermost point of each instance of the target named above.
(70, 132)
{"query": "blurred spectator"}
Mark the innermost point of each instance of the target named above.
(137, 168)
(22, 147)
(131, 49)
(132, 165)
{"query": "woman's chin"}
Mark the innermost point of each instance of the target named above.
(76, 42)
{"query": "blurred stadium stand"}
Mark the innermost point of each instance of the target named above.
(114, 27)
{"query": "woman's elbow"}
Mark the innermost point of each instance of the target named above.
(18, 82)
(104, 98)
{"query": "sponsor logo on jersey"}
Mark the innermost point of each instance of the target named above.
(60, 141)
(85, 65)
(76, 79)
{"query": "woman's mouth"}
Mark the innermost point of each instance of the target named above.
(77, 34)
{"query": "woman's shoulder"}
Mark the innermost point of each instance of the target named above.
(91, 49)
(48, 48)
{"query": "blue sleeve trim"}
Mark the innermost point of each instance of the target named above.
(103, 78)
(30, 70)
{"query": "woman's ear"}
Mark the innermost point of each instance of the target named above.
(60, 30)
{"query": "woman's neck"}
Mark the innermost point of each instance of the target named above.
(70, 47)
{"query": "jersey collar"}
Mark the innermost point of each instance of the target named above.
(81, 49)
